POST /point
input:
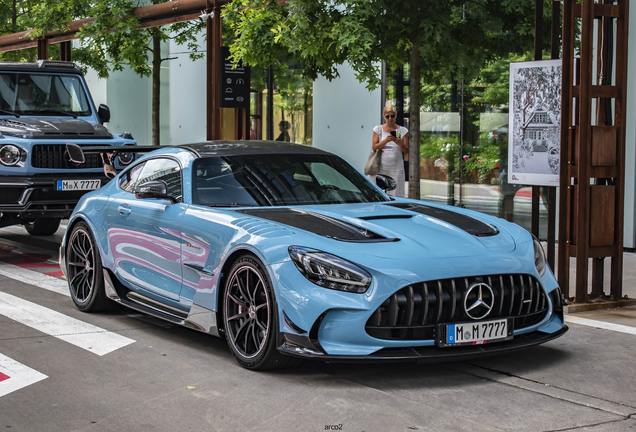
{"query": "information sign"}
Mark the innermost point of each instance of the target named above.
(235, 86)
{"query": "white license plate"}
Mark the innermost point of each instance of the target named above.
(476, 333)
(71, 185)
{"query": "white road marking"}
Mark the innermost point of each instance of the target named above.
(601, 324)
(34, 278)
(14, 375)
(71, 330)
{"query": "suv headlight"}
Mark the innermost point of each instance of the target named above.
(330, 271)
(10, 155)
(125, 159)
(539, 256)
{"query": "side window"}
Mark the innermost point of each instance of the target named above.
(164, 169)
(129, 179)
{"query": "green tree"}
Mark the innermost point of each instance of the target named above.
(445, 36)
(115, 40)
(14, 17)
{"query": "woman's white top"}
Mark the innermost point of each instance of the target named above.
(392, 160)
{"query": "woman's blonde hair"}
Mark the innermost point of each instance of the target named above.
(389, 107)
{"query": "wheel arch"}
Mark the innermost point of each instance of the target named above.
(100, 247)
(225, 268)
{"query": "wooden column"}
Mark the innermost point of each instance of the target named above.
(65, 50)
(43, 48)
(593, 155)
(213, 57)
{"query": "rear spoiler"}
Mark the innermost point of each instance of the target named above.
(77, 154)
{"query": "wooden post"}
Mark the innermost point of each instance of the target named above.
(593, 156)
(43, 48)
(620, 118)
(567, 64)
(213, 57)
(551, 190)
(65, 50)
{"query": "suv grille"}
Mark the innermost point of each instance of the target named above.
(413, 312)
(54, 156)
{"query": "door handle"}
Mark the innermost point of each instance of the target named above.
(124, 210)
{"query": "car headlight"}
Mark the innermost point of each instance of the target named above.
(330, 271)
(10, 155)
(539, 256)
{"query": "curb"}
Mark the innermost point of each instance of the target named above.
(583, 307)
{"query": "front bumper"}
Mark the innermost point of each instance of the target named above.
(429, 354)
(27, 198)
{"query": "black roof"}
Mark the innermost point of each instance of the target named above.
(56, 66)
(234, 148)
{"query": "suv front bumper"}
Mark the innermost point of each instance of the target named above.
(29, 198)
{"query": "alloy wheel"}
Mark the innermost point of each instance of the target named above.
(247, 311)
(81, 265)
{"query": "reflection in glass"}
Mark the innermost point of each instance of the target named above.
(484, 182)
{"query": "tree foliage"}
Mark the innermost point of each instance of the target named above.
(449, 38)
(454, 36)
(114, 39)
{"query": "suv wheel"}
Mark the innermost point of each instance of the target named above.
(42, 226)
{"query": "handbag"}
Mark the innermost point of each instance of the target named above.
(372, 166)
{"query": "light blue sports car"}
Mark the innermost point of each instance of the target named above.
(289, 252)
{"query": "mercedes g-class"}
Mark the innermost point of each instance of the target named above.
(43, 106)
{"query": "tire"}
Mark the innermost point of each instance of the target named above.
(42, 226)
(84, 271)
(250, 317)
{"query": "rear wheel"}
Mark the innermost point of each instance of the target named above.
(250, 317)
(84, 271)
(42, 226)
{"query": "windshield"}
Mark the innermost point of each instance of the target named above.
(279, 180)
(32, 94)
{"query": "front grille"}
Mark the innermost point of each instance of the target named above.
(10, 195)
(414, 312)
(53, 156)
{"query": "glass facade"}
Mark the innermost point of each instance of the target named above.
(464, 141)
(281, 106)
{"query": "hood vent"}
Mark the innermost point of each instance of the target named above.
(381, 217)
(467, 223)
(318, 224)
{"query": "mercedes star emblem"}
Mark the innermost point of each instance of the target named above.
(484, 303)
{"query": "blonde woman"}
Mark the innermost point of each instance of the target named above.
(393, 140)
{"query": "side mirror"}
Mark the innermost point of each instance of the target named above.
(385, 182)
(153, 189)
(103, 112)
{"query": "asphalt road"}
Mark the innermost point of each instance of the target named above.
(64, 370)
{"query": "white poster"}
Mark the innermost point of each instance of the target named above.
(534, 142)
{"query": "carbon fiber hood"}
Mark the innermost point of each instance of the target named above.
(53, 128)
(424, 230)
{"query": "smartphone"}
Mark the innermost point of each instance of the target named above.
(392, 133)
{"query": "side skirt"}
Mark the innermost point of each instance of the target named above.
(198, 318)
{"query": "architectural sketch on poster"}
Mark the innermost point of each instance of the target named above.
(535, 118)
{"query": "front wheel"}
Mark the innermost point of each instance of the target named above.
(250, 317)
(84, 271)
